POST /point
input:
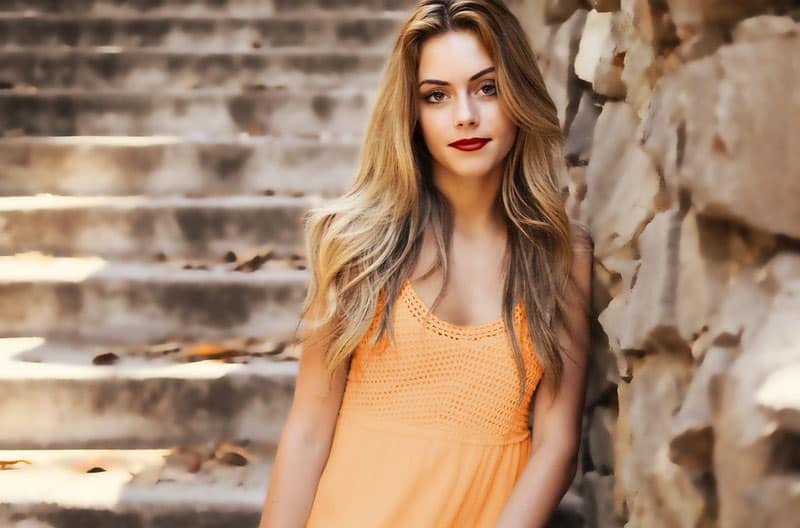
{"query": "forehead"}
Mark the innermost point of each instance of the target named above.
(453, 56)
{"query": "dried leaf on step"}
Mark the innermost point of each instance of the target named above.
(252, 259)
(108, 358)
(4, 464)
(232, 455)
(198, 266)
(205, 350)
(254, 87)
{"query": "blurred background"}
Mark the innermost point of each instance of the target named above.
(156, 157)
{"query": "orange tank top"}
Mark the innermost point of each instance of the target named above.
(429, 433)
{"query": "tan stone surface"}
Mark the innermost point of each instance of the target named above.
(558, 11)
(597, 62)
(705, 268)
(692, 14)
(764, 27)
(658, 492)
(692, 442)
(779, 396)
(720, 131)
(558, 46)
(643, 318)
(622, 185)
(746, 437)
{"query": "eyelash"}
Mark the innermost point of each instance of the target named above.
(427, 96)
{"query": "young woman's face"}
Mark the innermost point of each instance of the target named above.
(461, 103)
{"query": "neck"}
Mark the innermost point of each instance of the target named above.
(476, 212)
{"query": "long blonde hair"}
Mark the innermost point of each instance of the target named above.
(366, 241)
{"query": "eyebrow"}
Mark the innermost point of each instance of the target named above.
(445, 83)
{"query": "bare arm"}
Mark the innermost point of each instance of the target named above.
(306, 437)
(557, 415)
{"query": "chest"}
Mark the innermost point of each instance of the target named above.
(474, 294)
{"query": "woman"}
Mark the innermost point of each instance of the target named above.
(447, 286)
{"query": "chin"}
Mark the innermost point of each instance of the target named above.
(471, 168)
(470, 174)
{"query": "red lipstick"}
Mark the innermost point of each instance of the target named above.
(470, 144)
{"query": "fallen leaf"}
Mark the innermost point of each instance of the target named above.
(254, 87)
(5, 463)
(204, 350)
(251, 260)
(107, 358)
(232, 455)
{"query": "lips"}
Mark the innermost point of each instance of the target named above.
(470, 143)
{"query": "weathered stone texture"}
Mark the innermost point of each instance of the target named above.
(622, 185)
(723, 133)
(684, 156)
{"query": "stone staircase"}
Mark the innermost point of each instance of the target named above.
(155, 162)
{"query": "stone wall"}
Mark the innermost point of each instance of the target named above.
(682, 118)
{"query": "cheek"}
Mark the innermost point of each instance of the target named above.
(504, 127)
(433, 130)
(502, 122)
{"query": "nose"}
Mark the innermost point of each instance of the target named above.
(466, 113)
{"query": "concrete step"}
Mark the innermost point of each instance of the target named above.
(202, 487)
(105, 69)
(201, 7)
(138, 400)
(129, 227)
(162, 165)
(222, 113)
(113, 302)
(204, 33)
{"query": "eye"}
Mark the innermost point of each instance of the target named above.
(431, 94)
(489, 85)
